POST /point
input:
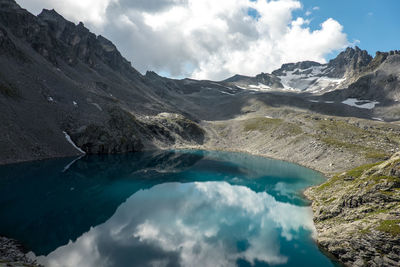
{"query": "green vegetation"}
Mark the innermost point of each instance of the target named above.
(340, 144)
(370, 152)
(357, 172)
(262, 124)
(379, 211)
(341, 127)
(390, 226)
(365, 231)
(354, 173)
(329, 183)
(387, 178)
(376, 155)
(345, 135)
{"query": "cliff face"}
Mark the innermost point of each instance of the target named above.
(349, 63)
(357, 214)
(59, 80)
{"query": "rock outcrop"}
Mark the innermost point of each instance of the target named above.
(12, 254)
(357, 214)
(349, 63)
(303, 65)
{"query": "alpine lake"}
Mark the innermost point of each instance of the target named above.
(161, 208)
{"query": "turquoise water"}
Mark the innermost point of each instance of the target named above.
(176, 208)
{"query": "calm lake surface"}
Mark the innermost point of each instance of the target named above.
(175, 208)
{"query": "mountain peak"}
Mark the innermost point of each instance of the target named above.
(302, 65)
(349, 62)
(51, 15)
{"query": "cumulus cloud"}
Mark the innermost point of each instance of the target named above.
(205, 39)
(91, 11)
(211, 224)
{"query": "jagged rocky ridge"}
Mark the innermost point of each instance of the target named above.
(59, 80)
(310, 76)
(59, 77)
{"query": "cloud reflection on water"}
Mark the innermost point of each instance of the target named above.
(202, 224)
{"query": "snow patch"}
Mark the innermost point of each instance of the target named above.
(230, 88)
(50, 99)
(366, 104)
(97, 106)
(311, 80)
(75, 104)
(72, 142)
(378, 119)
(241, 87)
(226, 93)
(260, 86)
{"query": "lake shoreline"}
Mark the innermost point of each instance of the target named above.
(305, 192)
(180, 149)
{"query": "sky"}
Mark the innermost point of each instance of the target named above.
(209, 39)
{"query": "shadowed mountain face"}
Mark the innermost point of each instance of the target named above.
(62, 86)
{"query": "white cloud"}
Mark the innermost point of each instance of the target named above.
(181, 224)
(204, 39)
(316, 8)
(89, 11)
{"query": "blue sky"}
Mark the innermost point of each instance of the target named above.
(376, 24)
(215, 39)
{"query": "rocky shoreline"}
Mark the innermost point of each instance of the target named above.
(357, 214)
(13, 254)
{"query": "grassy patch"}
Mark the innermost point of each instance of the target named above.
(329, 183)
(261, 124)
(379, 211)
(389, 179)
(376, 155)
(340, 144)
(341, 134)
(365, 231)
(357, 172)
(390, 226)
(279, 126)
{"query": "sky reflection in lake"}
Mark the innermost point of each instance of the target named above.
(180, 209)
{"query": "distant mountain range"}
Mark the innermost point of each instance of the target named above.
(62, 88)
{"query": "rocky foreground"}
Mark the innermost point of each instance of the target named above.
(357, 214)
(12, 254)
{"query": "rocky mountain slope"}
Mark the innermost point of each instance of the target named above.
(65, 91)
(357, 214)
(58, 80)
(309, 76)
